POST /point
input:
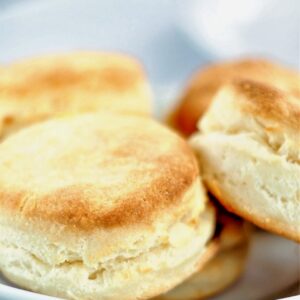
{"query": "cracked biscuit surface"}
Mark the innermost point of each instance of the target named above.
(249, 150)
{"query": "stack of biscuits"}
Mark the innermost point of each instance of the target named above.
(100, 201)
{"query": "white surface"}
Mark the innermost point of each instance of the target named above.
(231, 28)
(145, 29)
(273, 266)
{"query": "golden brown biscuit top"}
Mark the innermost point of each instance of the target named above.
(268, 115)
(204, 85)
(94, 170)
(89, 70)
(268, 103)
(40, 88)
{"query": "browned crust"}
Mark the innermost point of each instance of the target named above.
(205, 83)
(233, 207)
(59, 76)
(70, 206)
(37, 89)
(81, 205)
(268, 103)
(231, 231)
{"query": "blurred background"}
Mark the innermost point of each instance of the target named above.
(172, 38)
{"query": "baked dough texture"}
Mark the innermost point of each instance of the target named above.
(249, 151)
(223, 267)
(39, 88)
(204, 85)
(101, 206)
(230, 246)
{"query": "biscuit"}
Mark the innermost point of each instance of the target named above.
(249, 151)
(205, 83)
(218, 274)
(101, 206)
(224, 264)
(40, 88)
